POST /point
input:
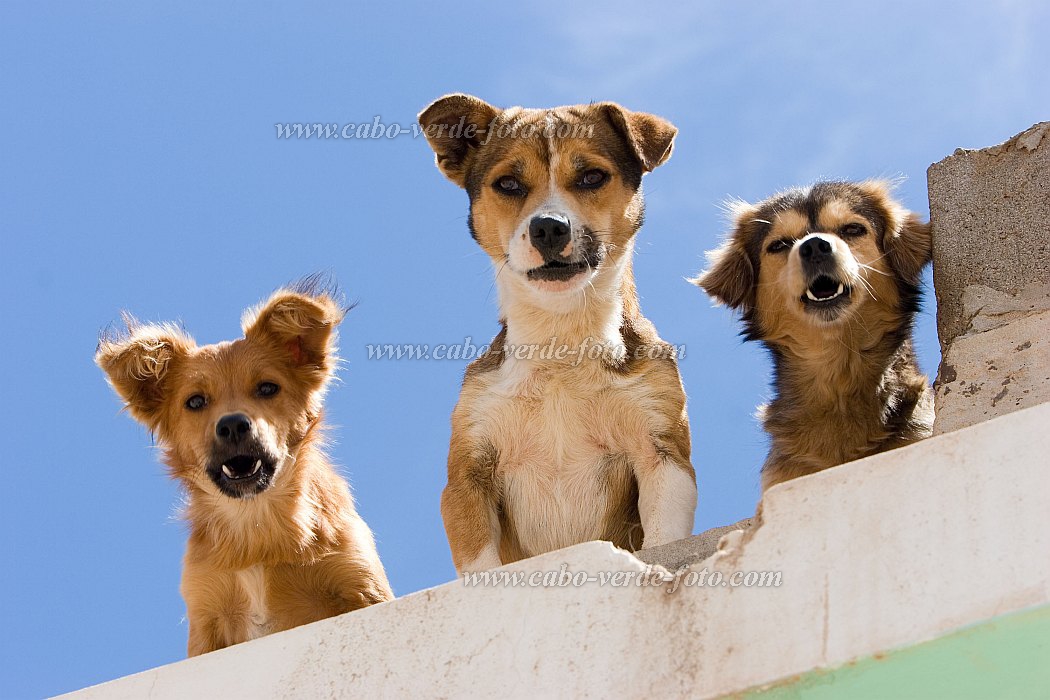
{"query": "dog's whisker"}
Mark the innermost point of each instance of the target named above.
(881, 257)
(859, 318)
(492, 284)
(872, 269)
(867, 287)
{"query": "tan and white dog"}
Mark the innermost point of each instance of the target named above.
(572, 427)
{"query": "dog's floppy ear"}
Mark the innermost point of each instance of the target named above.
(300, 326)
(455, 125)
(730, 277)
(907, 240)
(910, 247)
(651, 137)
(139, 363)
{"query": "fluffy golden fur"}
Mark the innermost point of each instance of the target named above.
(274, 539)
(827, 278)
(550, 451)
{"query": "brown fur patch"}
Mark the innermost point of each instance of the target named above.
(846, 386)
(295, 551)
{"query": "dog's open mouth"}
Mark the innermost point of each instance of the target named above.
(557, 270)
(241, 467)
(825, 290)
(242, 475)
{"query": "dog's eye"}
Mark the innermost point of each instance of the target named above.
(780, 246)
(196, 402)
(852, 230)
(592, 179)
(267, 389)
(509, 185)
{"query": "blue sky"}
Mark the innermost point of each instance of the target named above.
(140, 169)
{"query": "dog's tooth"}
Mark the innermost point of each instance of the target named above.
(811, 295)
(226, 471)
(840, 289)
(258, 466)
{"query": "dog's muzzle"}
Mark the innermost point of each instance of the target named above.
(551, 236)
(826, 293)
(240, 465)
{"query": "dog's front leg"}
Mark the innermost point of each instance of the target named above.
(469, 507)
(212, 600)
(203, 636)
(666, 495)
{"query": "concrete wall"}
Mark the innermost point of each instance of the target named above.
(877, 554)
(990, 211)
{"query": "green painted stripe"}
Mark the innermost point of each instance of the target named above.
(1005, 657)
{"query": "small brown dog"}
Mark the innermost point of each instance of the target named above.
(274, 540)
(827, 278)
(572, 427)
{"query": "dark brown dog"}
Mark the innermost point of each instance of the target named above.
(827, 278)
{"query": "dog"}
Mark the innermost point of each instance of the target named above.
(572, 426)
(274, 539)
(827, 278)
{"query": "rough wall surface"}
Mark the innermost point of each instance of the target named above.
(674, 555)
(878, 554)
(990, 211)
(1001, 363)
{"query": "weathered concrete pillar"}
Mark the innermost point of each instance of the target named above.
(990, 211)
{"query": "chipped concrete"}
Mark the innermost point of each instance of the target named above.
(990, 211)
(876, 554)
(993, 373)
(674, 555)
(986, 309)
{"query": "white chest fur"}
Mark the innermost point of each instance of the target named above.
(253, 584)
(558, 432)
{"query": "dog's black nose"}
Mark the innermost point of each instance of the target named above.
(814, 250)
(233, 427)
(549, 235)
